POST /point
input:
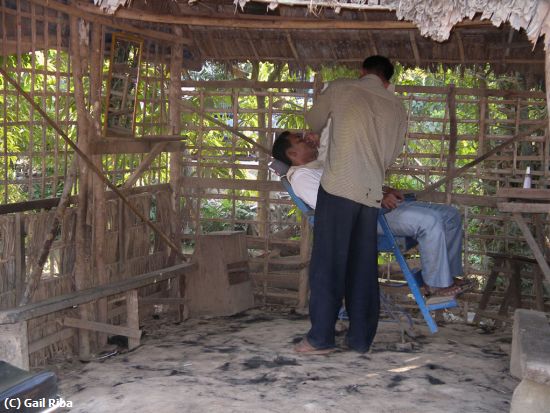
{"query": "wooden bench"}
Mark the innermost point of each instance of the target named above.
(530, 361)
(509, 266)
(14, 346)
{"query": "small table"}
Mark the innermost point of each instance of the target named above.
(530, 201)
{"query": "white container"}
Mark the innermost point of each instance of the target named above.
(527, 179)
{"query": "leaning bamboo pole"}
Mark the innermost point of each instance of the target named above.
(479, 159)
(90, 164)
(224, 126)
(34, 278)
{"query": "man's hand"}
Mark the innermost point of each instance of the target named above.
(392, 198)
(312, 139)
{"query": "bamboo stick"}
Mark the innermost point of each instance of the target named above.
(91, 165)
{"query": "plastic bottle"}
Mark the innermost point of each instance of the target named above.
(527, 179)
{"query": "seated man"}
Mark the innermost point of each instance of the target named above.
(437, 228)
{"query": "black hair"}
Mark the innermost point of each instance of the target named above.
(379, 65)
(280, 146)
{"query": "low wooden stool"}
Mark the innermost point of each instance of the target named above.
(509, 265)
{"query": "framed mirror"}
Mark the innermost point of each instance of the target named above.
(122, 86)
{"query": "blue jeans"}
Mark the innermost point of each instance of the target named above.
(343, 264)
(438, 230)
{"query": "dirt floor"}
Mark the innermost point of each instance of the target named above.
(245, 363)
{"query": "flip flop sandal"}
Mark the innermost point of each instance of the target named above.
(303, 347)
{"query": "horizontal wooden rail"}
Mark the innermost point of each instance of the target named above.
(65, 301)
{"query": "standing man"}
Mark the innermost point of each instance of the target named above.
(367, 131)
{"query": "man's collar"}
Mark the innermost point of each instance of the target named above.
(316, 164)
(373, 78)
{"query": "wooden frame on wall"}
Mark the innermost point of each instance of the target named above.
(120, 109)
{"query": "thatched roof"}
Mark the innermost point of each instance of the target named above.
(316, 32)
(313, 32)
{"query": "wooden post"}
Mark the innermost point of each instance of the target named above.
(20, 264)
(82, 275)
(451, 158)
(98, 188)
(132, 316)
(177, 285)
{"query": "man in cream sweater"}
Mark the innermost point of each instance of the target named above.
(367, 132)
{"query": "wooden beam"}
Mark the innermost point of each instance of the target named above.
(76, 298)
(510, 37)
(163, 300)
(534, 248)
(145, 163)
(460, 46)
(83, 12)
(60, 335)
(269, 22)
(527, 207)
(292, 47)
(92, 166)
(372, 43)
(253, 84)
(412, 37)
(112, 146)
(252, 46)
(238, 184)
(101, 327)
(522, 193)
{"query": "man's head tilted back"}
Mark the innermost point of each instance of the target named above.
(293, 150)
(380, 66)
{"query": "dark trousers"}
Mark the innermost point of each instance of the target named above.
(343, 264)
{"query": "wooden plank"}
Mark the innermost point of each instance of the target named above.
(101, 327)
(239, 84)
(53, 202)
(526, 207)
(132, 317)
(523, 193)
(60, 335)
(162, 300)
(62, 302)
(137, 145)
(534, 248)
(248, 184)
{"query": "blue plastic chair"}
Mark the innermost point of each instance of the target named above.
(387, 242)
